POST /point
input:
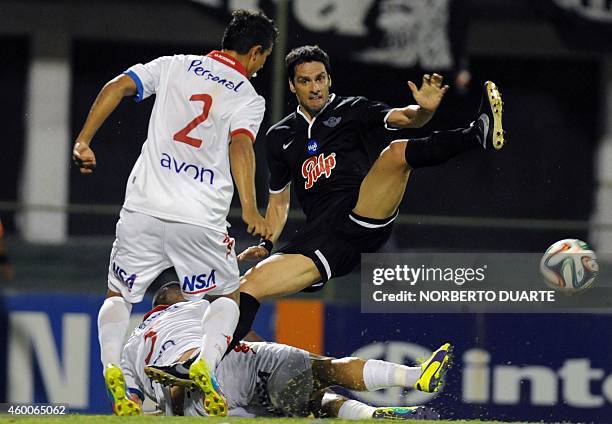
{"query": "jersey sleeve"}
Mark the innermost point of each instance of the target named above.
(147, 76)
(132, 381)
(280, 174)
(247, 119)
(372, 113)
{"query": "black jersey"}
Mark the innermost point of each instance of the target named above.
(326, 159)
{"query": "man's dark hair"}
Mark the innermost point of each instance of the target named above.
(168, 294)
(248, 28)
(305, 54)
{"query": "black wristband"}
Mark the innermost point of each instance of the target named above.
(266, 244)
(3, 259)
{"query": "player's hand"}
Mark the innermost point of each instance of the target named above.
(256, 224)
(431, 92)
(84, 158)
(253, 254)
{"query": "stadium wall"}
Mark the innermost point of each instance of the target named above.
(508, 367)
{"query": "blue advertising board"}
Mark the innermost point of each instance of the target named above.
(50, 351)
(551, 368)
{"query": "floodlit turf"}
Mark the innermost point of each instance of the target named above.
(75, 418)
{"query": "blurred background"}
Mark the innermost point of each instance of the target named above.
(552, 60)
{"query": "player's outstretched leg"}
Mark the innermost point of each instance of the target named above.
(123, 403)
(434, 369)
(489, 117)
(382, 189)
(373, 374)
(405, 413)
(337, 406)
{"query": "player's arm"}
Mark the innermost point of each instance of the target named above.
(108, 98)
(242, 160)
(428, 98)
(280, 195)
(276, 217)
(278, 211)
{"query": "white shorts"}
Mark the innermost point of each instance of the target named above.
(204, 259)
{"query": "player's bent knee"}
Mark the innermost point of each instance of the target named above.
(252, 282)
(250, 277)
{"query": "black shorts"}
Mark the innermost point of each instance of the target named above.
(336, 244)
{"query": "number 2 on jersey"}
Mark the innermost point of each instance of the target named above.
(182, 136)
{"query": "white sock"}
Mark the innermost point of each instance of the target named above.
(355, 410)
(113, 322)
(381, 374)
(218, 325)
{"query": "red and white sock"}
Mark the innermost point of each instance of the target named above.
(218, 324)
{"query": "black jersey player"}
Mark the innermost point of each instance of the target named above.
(350, 204)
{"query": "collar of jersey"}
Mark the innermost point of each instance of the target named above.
(152, 311)
(227, 60)
(329, 100)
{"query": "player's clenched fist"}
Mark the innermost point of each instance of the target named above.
(256, 224)
(84, 158)
(253, 254)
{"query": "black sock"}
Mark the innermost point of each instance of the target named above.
(440, 146)
(248, 309)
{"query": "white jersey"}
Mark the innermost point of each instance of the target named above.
(183, 171)
(164, 335)
(249, 376)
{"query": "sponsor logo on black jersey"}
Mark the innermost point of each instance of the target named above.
(315, 166)
(312, 147)
(333, 121)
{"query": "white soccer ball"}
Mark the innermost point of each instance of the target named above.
(569, 266)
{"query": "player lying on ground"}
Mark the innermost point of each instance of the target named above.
(350, 204)
(258, 378)
(201, 131)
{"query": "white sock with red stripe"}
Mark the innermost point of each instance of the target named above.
(218, 325)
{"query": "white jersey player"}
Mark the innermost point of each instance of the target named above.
(204, 120)
(168, 180)
(259, 379)
(168, 332)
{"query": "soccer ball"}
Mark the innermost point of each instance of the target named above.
(569, 266)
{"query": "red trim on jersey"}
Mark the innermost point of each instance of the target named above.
(1, 229)
(201, 291)
(244, 131)
(152, 311)
(226, 59)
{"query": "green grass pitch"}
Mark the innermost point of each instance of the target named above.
(103, 419)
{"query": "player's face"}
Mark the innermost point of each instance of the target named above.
(311, 86)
